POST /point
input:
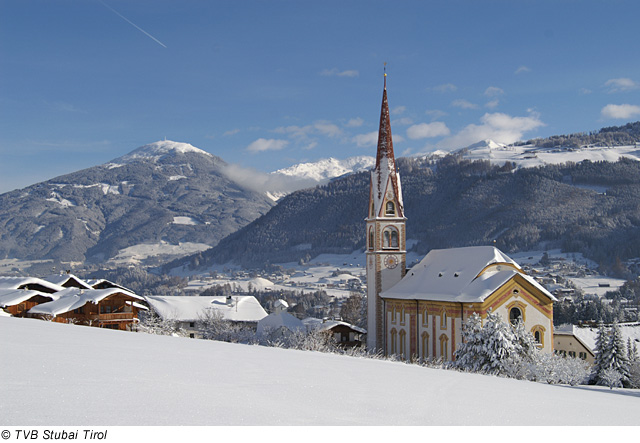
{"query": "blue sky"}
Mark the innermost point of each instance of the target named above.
(267, 84)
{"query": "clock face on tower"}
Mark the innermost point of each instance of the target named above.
(391, 261)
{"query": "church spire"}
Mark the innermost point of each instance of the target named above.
(386, 178)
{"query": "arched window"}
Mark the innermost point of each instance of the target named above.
(371, 239)
(373, 210)
(425, 345)
(515, 315)
(538, 335)
(390, 209)
(403, 344)
(390, 238)
(393, 344)
(444, 347)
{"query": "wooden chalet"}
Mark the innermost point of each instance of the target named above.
(106, 308)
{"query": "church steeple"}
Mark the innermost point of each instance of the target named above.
(386, 244)
(385, 176)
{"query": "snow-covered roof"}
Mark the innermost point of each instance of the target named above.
(12, 297)
(18, 282)
(312, 323)
(74, 298)
(105, 283)
(61, 279)
(588, 335)
(279, 320)
(190, 308)
(464, 275)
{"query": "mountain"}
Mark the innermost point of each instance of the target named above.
(168, 194)
(324, 170)
(587, 207)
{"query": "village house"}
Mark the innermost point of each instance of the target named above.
(19, 294)
(186, 311)
(106, 308)
(419, 313)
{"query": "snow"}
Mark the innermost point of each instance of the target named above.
(187, 308)
(156, 151)
(140, 252)
(67, 375)
(325, 169)
(529, 156)
(597, 285)
(183, 220)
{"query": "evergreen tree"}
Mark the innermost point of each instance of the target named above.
(632, 352)
(471, 353)
(616, 357)
(599, 351)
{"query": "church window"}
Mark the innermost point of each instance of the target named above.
(390, 238)
(403, 343)
(390, 209)
(394, 337)
(425, 345)
(538, 335)
(444, 347)
(515, 315)
(443, 320)
(582, 355)
(371, 238)
(373, 210)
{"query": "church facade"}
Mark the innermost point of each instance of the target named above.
(419, 313)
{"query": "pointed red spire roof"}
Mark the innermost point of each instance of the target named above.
(385, 142)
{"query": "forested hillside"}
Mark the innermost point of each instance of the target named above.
(610, 136)
(455, 202)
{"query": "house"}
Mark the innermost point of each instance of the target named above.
(187, 310)
(567, 342)
(68, 281)
(17, 302)
(344, 334)
(106, 308)
(279, 324)
(420, 312)
(19, 294)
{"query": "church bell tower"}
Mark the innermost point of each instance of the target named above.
(386, 236)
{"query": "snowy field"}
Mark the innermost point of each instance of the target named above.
(66, 375)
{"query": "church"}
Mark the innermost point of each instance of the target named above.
(419, 313)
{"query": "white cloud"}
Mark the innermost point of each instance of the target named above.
(327, 128)
(620, 111)
(492, 104)
(402, 121)
(263, 144)
(585, 91)
(231, 132)
(398, 110)
(259, 181)
(427, 130)
(355, 123)
(337, 73)
(464, 104)
(366, 140)
(522, 69)
(621, 85)
(499, 127)
(435, 113)
(447, 87)
(493, 91)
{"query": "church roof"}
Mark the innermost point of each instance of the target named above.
(464, 275)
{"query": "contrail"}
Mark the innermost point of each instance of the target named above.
(133, 24)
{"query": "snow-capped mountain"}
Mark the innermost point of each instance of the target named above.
(327, 169)
(166, 197)
(531, 155)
